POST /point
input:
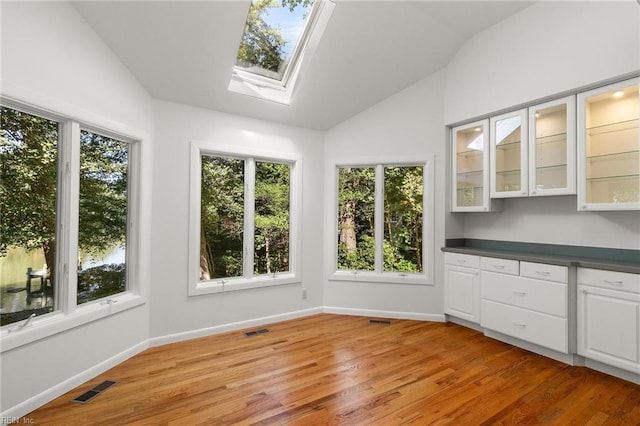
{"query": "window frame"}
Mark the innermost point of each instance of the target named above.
(247, 280)
(67, 312)
(426, 277)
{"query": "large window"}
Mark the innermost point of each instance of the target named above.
(383, 220)
(244, 218)
(64, 201)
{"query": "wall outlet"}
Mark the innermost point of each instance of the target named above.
(304, 293)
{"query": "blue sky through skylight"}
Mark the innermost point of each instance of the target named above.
(290, 24)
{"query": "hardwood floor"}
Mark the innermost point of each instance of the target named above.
(331, 369)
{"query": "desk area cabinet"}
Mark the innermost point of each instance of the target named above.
(528, 301)
(462, 286)
(609, 318)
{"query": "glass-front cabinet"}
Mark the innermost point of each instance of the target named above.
(609, 147)
(508, 165)
(552, 148)
(470, 167)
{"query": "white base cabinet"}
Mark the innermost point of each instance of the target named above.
(462, 286)
(609, 318)
(528, 301)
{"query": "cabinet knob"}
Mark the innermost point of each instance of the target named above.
(520, 324)
(613, 282)
(519, 293)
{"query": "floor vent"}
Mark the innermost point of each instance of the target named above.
(380, 321)
(92, 393)
(256, 332)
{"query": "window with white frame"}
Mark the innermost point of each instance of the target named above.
(65, 191)
(244, 219)
(383, 222)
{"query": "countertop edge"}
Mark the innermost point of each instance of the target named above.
(550, 259)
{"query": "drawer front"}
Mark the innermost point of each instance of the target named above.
(468, 260)
(542, 271)
(620, 281)
(541, 296)
(544, 330)
(504, 266)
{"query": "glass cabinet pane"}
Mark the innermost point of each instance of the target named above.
(612, 146)
(509, 155)
(469, 165)
(552, 150)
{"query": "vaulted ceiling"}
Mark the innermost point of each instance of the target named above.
(184, 51)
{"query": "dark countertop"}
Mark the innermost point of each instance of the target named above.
(620, 260)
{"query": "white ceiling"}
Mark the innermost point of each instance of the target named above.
(184, 51)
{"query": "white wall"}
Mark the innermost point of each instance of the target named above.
(172, 310)
(409, 123)
(546, 49)
(53, 60)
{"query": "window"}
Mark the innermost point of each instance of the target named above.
(102, 229)
(278, 41)
(384, 222)
(64, 195)
(244, 225)
(28, 199)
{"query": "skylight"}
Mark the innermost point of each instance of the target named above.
(278, 41)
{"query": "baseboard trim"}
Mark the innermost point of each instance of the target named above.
(384, 314)
(20, 410)
(218, 329)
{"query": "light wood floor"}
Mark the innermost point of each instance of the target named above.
(331, 369)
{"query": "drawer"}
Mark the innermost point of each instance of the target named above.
(541, 296)
(542, 271)
(613, 280)
(544, 330)
(460, 259)
(504, 266)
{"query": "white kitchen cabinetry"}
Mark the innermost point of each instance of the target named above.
(609, 148)
(462, 286)
(470, 168)
(609, 318)
(508, 164)
(528, 301)
(552, 148)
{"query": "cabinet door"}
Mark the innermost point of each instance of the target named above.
(552, 148)
(462, 293)
(609, 148)
(609, 327)
(508, 148)
(470, 167)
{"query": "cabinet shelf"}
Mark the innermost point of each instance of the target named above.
(619, 126)
(631, 177)
(468, 188)
(470, 153)
(552, 167)
(504, 146)
(557, 138)
(614, 155)
(508, 172)
(470, 173)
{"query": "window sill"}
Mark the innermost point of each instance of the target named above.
(385, 278)
(235, 284)
(57, 322)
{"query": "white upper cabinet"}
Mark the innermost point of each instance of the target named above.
(552, 148)
(609, 147)
(508, 165)
(470, 167)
